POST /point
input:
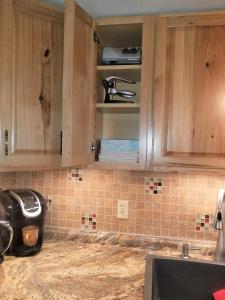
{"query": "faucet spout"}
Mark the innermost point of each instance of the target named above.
(219, 225)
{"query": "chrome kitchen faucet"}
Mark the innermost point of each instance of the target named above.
(219, 224)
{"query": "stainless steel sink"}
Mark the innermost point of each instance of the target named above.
(181, 279)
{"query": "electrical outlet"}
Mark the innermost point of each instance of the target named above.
(122, 209)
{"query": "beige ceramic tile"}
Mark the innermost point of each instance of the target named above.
(172, 213)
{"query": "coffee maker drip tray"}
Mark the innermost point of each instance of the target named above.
(22, 250)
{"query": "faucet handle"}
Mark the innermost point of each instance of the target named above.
(185, 250)
(218, 221)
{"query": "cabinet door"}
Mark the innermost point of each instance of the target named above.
(5, 76)
(33, 97)
(78, 86)
(190, 91)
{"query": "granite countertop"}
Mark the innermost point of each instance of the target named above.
(99, 266)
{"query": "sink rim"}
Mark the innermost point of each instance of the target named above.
(149, 268)
(179, 258)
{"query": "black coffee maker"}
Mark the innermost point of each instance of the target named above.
(24, 210)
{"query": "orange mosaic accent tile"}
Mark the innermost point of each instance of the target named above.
(176, 210)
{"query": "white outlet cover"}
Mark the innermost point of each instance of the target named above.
(122, 209)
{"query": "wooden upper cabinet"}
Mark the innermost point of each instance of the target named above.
(189, 107)
(4, 83)
(32, 47)
(78, 86)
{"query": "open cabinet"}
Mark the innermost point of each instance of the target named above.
(88, 121)
(121, 128)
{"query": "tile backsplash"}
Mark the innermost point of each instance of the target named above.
(160, 204)
(153, 185)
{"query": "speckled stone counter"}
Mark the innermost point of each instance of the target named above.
(85, 266)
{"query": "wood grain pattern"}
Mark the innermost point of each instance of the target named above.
(147, 89)
(77, 88)
(34, 133)
(189, 95)
(6, 12)
(57, 77)
(209, 121)
(83, 15)
(116, 108)
(116, 165)
(121, 126)
(180, 88)
(39, 9)
(160, 118)
(197, 20)
(121, 35)
(1, 78)
(133, 72)
(119, 20)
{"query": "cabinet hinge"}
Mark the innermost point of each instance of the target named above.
(93, 147)
(61, 141)
(96, 38)
(6, 142)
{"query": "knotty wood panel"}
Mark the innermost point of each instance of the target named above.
(37, 118)
(209, 105)
(32, 79)
(34, 85)
(190, 94)
(195, 90)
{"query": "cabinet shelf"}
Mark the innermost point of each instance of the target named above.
(131, 72)
(129, 165)
(117, 108)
